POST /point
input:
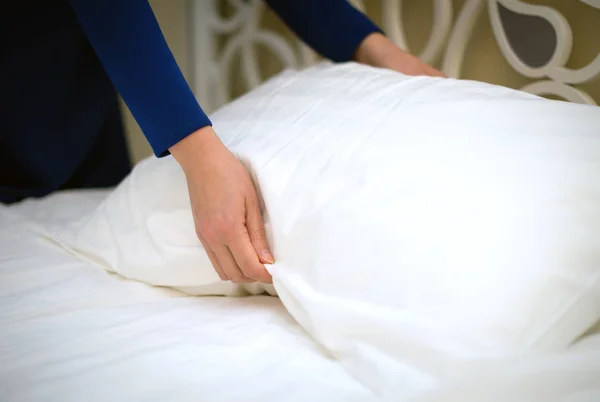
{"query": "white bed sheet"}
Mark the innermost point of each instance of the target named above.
(71, 332)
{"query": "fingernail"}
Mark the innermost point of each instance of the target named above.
(267, 257)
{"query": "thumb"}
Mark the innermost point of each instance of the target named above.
(257, 233)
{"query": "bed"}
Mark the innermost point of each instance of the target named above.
(70, 331)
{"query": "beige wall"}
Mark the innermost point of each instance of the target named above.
(484, 60)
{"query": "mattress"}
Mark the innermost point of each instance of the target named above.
(71, 332)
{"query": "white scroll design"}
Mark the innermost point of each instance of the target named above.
(448, 41)
(211, 65)
(559, 76)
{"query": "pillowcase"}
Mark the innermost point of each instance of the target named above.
(417, 223)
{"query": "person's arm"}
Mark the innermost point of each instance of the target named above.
(225, 206)
(333, 28)
(339, 32)
(135, 55)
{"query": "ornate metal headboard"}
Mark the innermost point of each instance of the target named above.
(217, 40)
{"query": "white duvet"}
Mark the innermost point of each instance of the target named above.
(438, 239)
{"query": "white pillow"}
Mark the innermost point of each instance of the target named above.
(417, 222)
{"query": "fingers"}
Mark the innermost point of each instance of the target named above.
(234, 257)
(230, 266)
(437, 73)
(246, 257)
(214, 260)
(256, 231)
(433, 72)
(224, 262)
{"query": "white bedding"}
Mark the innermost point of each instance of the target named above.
(71, 332)
(458, 239)
(418, 224)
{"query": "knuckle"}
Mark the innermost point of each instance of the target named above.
(217, 228)
(206, 232)
(257, 234)
(224, 227)
(225, 224)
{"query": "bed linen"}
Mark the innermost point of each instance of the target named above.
(418, 223)
(71, 332)
(102, 331)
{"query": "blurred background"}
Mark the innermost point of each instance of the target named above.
(532, 38)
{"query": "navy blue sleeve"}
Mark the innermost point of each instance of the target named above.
(333, 28)
(135, 55)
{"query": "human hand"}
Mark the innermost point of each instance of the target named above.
(226, 208)
(378, 51)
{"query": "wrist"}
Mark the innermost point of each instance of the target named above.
(189, 150)
(375, 49)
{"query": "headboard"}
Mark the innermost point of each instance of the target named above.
(546, 47)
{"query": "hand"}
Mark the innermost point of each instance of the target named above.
(225, 206)
(378, 51)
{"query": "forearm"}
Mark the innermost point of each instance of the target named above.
(135, 55)
(333, 28)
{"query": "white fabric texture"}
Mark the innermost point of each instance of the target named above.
(69, 332)
(419, 224)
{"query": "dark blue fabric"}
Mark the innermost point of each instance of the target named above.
(130, 44)
(60, 125)
(332, 28)
(59, 121)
